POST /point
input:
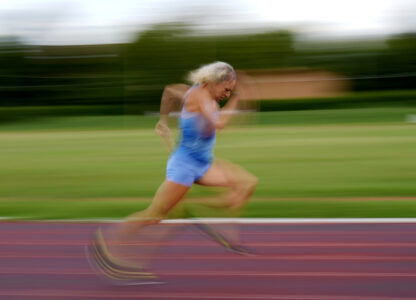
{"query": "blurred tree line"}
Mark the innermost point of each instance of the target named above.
(130, 77)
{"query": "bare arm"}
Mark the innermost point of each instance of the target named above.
(172, 98)
(228, 110)
(208, 108)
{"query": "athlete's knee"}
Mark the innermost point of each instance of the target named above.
(244, 189)
(252, 180)
(248, 183)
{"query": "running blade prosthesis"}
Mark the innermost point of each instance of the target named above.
(113, 272)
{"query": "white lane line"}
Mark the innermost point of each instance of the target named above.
(238, 220)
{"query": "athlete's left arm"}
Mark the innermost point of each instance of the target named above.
(245, 89)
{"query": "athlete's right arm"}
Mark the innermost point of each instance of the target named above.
(172, 98)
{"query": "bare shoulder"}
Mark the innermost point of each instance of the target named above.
(196, 98)
(192, 99)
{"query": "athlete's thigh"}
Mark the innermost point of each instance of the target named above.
(225, 173)
(221, 173)
(215, 176)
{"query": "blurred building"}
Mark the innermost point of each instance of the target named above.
(297, 83)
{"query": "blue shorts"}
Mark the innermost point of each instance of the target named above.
(185, 170)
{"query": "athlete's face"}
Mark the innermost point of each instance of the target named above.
(223, 90)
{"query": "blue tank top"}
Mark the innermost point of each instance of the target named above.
(198, 137)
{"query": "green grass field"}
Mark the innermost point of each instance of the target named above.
(306, 161)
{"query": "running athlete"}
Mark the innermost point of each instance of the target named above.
(191, 162)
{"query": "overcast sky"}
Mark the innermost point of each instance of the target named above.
(105, 21)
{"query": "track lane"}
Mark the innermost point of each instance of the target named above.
(296, 261)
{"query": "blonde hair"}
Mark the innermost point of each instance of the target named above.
(215, 72)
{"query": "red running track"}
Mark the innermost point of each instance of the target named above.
(43, 260)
